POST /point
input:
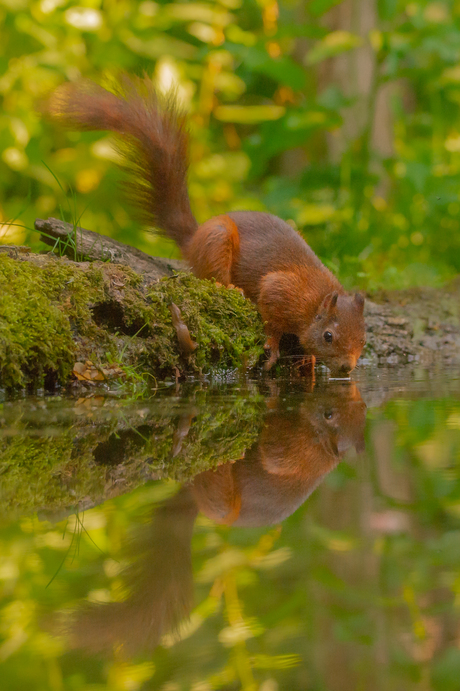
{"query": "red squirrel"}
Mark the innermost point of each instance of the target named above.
(257, 252)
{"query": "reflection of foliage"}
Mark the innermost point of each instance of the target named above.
(360, 585)
(382, 144)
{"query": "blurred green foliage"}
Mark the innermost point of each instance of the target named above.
(340, 116)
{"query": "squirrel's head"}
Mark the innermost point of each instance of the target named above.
(339, 416)
(337, 335)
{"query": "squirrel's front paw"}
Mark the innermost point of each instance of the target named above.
(274, 355)
(272, 344)
(306, 366)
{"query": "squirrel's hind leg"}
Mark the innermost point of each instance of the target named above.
(213, 249)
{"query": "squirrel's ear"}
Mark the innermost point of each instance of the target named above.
(359, 302)
(329, 302)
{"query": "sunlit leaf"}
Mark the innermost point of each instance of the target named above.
(276, 661)
(333, 44)
(159, 46)
(84, 18)
(313, 214)
(196, 11)
(248, 114)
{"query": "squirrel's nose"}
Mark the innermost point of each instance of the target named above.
(345, 368)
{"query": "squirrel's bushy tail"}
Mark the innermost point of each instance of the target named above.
(153, 143)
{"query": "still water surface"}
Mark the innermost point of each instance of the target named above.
(264, 536)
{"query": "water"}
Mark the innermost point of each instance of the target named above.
(255, 535)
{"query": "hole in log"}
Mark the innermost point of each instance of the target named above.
(110, 315)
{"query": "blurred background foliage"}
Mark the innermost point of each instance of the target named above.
(342, 117)
(358, 589)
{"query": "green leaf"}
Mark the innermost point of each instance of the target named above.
(286, 133)
(160, 45)
(248, 114)
(319, 7)
(283, 69)
(333, 44)
(387, 9)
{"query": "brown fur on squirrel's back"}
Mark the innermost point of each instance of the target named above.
(283, 250)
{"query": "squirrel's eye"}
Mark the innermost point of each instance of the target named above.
(327, 335)
(328, 414)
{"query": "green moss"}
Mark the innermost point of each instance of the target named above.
(226, 326)
(54, 313)
(35, 337)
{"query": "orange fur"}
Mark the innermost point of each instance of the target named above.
(213, 250)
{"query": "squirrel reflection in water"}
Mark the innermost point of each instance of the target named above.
(295, 450)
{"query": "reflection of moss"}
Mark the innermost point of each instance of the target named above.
(53, 313)
(38, 472)
(88, 460)
(216, 436)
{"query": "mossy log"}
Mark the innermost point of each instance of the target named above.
(64, 318)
